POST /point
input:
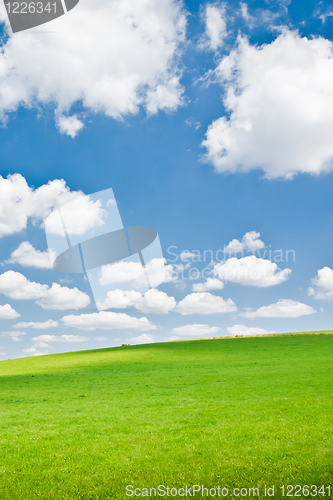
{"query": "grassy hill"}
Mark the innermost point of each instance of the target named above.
(243, 412)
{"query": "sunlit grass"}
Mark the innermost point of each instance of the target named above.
(231, 412)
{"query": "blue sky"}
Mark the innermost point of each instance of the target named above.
(128, 106)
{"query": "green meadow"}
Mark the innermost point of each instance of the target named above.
(237, 412)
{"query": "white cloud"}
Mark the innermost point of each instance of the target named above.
(234, 246)
(195, 330)
(161, 272)
(251, 271)
(191, 122)
(18, 287)
(69, 125)
(284, 308)
(172, 338)
(279, 97)
(323, 16)
(121, 272)
(145, 338)
(38, 345)
(82, 216)
(119, 299)
(100, 339)
(34, 351)
(205, 303)
(106, 320)
(174, 272)
(186, 255)
(20, 202)
(60, 338)
(261, 17)
(322, 285)
(155, 302)
(246, 330)
(62, 298)
(15, 336)
(245, 14)
(126, 59)
(134, 275)
(7, 312)
(131, 278)
(210, 284)
(27, 256)
(165, 97)
(38, 325)
(216, 28)
(250, 243)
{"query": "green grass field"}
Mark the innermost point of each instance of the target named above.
(245, 412)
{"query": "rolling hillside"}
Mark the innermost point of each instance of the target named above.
(245, 412)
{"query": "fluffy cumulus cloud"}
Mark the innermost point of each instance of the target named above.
(62, 298)
(205, 303)
(279, 97)
(40, 344)
(251, 271)
(284, 308)
(119, 299)
(134, 275)
(80, 217)
(195, 330)
(15, 336)
(215, 26)
(59, 338)
(155, 301)
(121, 272)
(34, 351)
(7, 312)
(186, 255)
(209, 284)
(18, 287)
(38, 325)
(322, 285)
(27, 256)
(69, 125)
(246, 330)
(19, 202)
(126, 59)
(105, 320)
(251, 242)
(145, 338)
